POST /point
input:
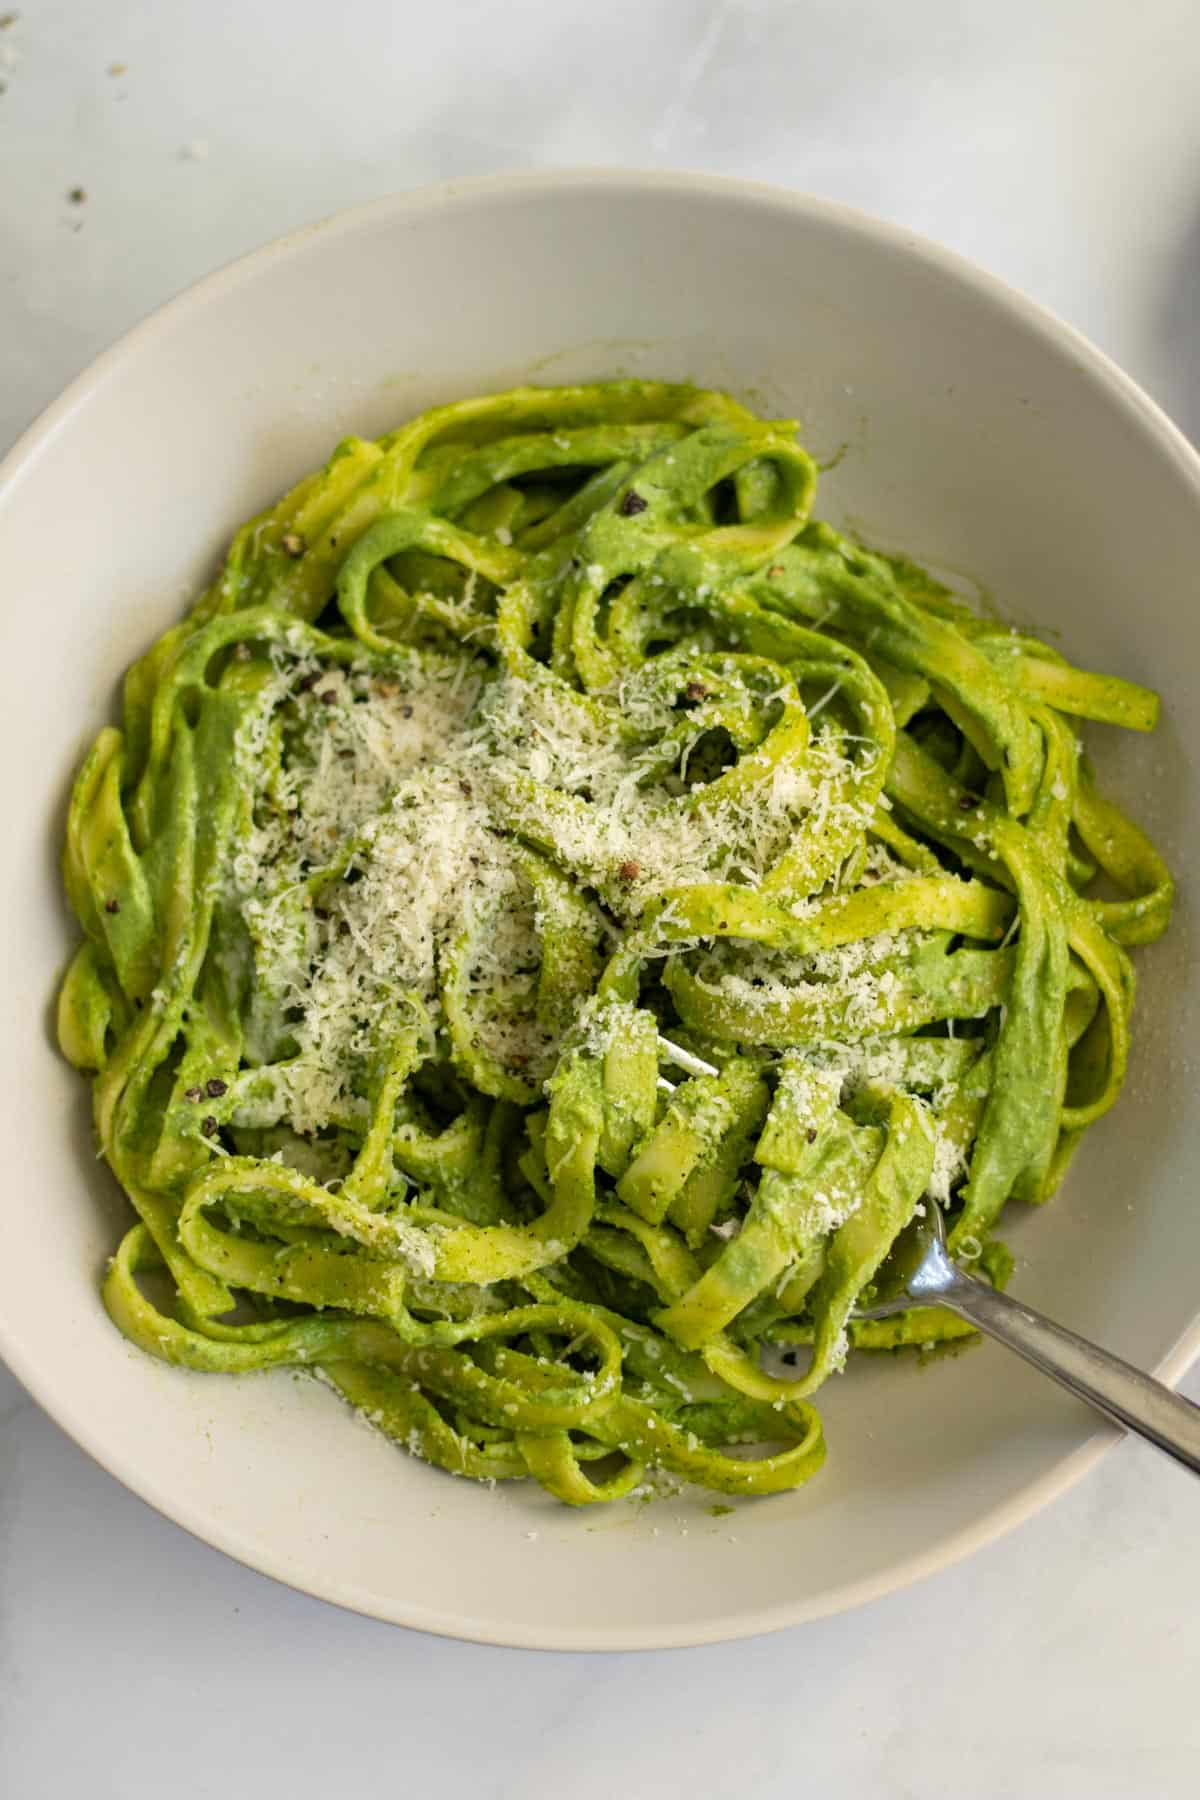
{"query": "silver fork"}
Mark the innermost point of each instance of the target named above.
(921, 1272)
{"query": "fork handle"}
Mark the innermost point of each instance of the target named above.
(1124, 1394)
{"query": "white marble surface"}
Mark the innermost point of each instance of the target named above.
(1056, 141)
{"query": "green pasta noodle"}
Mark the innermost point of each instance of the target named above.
(553, 914)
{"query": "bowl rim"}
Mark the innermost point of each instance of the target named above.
(1094, 365)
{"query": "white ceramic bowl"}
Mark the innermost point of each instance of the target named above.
(979, 434)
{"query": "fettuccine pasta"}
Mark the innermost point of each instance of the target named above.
(552, 914)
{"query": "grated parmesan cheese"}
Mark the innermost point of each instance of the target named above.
(408, 791)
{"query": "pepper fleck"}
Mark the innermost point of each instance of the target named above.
(811, 1135)
(194, 1094)
(967, 802)
(696, 690)
(292, 544)
(775, 570)
(215, 1087)
(327, 696)
(629, 871)
(632, 503)
(208, 1125)
(308, 681)
(112, 906)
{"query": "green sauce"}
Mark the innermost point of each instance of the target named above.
(546, 727)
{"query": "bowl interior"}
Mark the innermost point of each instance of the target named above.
(969, 431)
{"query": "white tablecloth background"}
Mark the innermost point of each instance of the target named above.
(1058, 143)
